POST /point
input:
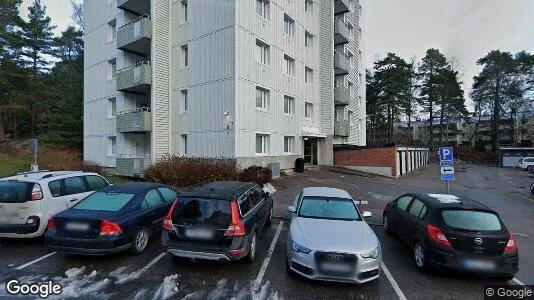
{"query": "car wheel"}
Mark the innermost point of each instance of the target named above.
(251, 255)
(140, 241)
(505, 277)
(270, 217)
(386, 224)
(532, 188)
(419, 257)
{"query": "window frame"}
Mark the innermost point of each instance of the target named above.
(184, 53)
(290, 101)
(183, 145)
(264, 98)
(184, 98)
(289, 65)
(184, 11)
(308, 9)
(112, 145)
(291, 144)
(112, 107)
(306, 114)
(308, 79)
(308, 44)
(290, 26)
(265, 7)
(264, 143)
(264, 53)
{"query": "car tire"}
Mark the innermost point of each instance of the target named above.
(532, 188)
(140, 241)
(419, 256)
(270, 217)
(386, 224)
(251, 255)
(505, 277)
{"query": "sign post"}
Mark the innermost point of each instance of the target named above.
(446, 162)
(34, 145)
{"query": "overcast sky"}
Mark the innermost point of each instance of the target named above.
(462, 29)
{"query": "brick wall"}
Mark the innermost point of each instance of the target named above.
(377, 157)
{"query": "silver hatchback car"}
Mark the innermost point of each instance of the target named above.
(329, 240)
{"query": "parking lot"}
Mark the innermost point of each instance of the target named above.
(156, 275)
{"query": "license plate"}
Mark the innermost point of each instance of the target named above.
(8, 218)
(77, 226)
(335, 267)
(203, 234)
(482, 265)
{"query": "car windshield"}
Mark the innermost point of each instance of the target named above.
(471, 220)
(15, 192)
(329, 208)
(105, 201)
(203, 211)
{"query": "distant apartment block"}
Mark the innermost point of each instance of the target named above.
(262, 81)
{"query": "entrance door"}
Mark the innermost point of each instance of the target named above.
(310, 150)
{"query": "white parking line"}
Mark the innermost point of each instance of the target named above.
(267, 259)
(517, 281)
(393, 282)
(151, 263)
(35, 261)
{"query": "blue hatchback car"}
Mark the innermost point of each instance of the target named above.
(115, 218)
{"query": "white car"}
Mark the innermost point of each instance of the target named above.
(28, 200)
(525, 162)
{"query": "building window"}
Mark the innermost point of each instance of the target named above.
(289, 144)
(350, 116)
(262, 53)
(339, 113)
(308, 6)
(289, 25)
(262, 143)
(351, 30)
(351, 89)
(350, 56)
(185, 56)
(308, 76)
(360, 76)
(262, 8)
(183, 101)
(308, 40)
(112, 107)
(289, 105)
(184, 11)
(112, 145)
(262, 98)
(112, 30)
(183, 144)
(112, 69)
(290, 65)
(308, 110)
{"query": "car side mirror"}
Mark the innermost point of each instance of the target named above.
(291, 209)
(367, 214)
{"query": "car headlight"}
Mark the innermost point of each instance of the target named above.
(370, 254)
(299, 248)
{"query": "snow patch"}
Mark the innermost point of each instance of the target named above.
(73, 272)
(121, 279)
(141, 294)
(269, 188)
(445, 198)
(168, 288)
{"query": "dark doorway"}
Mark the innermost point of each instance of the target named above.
(310, 150)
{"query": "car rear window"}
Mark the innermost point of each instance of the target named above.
(15, 192)
(471, 220)
(204, 211)
(105, 201)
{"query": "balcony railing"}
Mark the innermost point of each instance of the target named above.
(135, 79)
(341, 95)
(132, 165)
(135, 36)
(341, 6)
(137, 7)
(341, 128)
(341, 32)
(341, 63)
(135, 121)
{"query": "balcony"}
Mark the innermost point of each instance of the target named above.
(341, 6)
(135, 79)
(341, 63)
(137, 121)
(341, 32)
(341, 128)
(341, 95)
(132, 165)
(137, 7)
(135, 36)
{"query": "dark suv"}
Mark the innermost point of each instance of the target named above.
(218, 220)
(453, 232)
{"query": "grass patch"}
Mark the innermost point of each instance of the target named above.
(14, 163)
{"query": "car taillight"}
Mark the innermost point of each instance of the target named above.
(52, 224)
(511, 246)
(109, 228)
(167, 221)
(37, 192)
(437, 236)
(237, 227)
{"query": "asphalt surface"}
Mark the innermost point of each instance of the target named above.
(155, 275)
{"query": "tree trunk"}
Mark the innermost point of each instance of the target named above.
(496, 117)
(441, 125)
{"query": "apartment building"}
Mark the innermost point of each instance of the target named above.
(262, 81)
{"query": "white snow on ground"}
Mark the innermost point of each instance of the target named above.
(73, 272)
(168, 288)
(117, 272)
(224, 290)
(121, 277)
(445, 198)
(78, 285)
(269, 188)
(380, 196)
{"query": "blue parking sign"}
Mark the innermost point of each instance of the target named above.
(445, 153)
